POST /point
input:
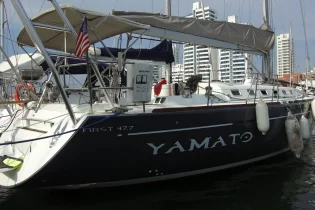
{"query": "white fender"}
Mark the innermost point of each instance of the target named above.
(313, 108)
(262, 117)
(293, 131)
(305, 128)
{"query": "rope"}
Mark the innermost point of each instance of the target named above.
(59, 134)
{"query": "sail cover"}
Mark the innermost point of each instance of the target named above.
(246, 35)
(161, 52)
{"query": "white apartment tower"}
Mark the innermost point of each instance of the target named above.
(283, 55)
(157, 73)
(196, 58)
(176, 52)
(236, 61)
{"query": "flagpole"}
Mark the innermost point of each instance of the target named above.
(88, 68)
(81, 48)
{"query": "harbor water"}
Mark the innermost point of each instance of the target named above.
(284, 182)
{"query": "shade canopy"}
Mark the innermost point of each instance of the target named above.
(105, 26)
(22, 61)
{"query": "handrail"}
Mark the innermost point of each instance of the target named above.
(101, 88)
(29, 27)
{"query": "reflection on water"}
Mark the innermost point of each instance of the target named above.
(284, 182)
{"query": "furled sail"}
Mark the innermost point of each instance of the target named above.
(260, 39)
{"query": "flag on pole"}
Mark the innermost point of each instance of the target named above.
(83, 43)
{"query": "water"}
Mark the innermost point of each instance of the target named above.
(284, 183)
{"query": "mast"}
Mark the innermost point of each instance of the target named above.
(308, 67)
(209, 48)
(265, 12)
(2, 28)
(168, 7)
(266, 69)
(291, 54)
(168, 12)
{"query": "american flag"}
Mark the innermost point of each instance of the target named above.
(83, 43)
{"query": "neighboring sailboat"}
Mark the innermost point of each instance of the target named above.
(125, 137)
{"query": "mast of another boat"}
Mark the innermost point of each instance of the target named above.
(1, 36)
(3, 81)
(291, 55)
(308, 67)
(2, 28)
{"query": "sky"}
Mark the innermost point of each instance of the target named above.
(283, 12)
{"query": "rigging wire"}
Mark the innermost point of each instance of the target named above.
(228, 6)
(41, 7)
(63, 133)
(302, 5)
(13, 15)
(6, 16)
(250, 12)
(115, 5)
(29, 3)
(82, 3)
(241, 12)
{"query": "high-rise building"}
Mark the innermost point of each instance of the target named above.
(234, 63)
(157, 73)
(176, 52)
(178, 73)
(284, 57)
(196, 58)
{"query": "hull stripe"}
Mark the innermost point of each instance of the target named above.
(181, 129)
(194, 128)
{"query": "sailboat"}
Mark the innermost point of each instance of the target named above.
(126, 136)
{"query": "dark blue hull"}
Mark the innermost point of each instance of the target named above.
(166, 144)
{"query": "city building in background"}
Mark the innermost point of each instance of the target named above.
(285, 59)
(196, 58)
(157, 73)
(177, 54)
(178, 73)
(234, 63)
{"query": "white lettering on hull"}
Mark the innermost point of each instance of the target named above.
(108, 129)
(205, 144)
(194, 143)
